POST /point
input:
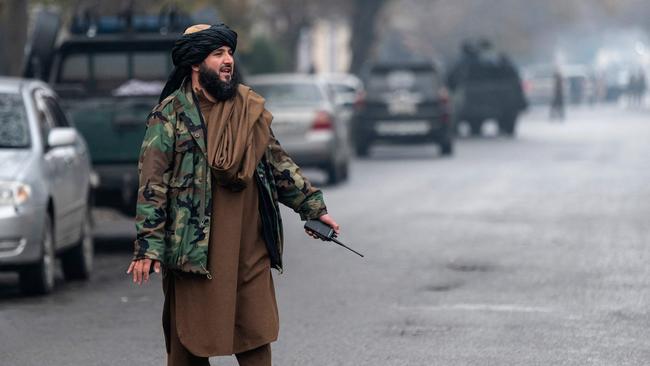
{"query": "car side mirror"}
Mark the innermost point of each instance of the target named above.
(62, 136)
(341, 102)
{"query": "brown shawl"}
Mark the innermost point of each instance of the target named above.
(242, 123)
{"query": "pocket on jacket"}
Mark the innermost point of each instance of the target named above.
(184, 165)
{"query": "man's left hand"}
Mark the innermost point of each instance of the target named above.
(328, 220)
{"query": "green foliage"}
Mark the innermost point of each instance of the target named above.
(264, 57)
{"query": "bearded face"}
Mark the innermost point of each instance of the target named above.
(217, 74)
(213, 82)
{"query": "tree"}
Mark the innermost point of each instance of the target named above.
(13, 33)
(363, 19)
(531, 30)
(287, 19)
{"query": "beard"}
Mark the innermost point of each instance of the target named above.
(217, 88)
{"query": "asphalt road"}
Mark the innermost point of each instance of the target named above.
(526, 251)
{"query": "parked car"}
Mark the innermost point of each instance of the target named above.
(306, 122)
(405, 103)
(347, 92)
(45, 188)
(109, 72)
(346, 89)
(538, 83)
(579, 83)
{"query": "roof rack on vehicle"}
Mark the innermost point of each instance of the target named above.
(169, 20)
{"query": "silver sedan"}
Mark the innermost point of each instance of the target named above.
(306, 121)
(45, 188)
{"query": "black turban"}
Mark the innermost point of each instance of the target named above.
(192, 49)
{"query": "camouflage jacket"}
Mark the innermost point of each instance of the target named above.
(174, 203)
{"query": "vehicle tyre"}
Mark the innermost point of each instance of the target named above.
(507, 125)
(362, 148)
(475, 126)
(38, 278)
(447, 148)
(333, 173)
(344, 169)
(78, 261)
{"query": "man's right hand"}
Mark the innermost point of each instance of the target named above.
(140, 269)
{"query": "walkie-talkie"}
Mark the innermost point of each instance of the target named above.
(326, 233)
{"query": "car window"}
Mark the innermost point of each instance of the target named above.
(104, 72)
(75, 69)
(59, 118)
(290, 94)
(422, 82)
(110, 66)
(14, 128)
(151, 66)
(44, 115)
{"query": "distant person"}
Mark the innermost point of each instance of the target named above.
(642, 87)
(636, 88)
(469, 55)
(632, 89)
(211, 175)
(557, 101)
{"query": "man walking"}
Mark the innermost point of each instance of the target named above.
(211, 176)
(557, 100)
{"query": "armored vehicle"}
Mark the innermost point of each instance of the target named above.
(485, 84)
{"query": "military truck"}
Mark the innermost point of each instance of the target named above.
(485, 85)
(108, 72)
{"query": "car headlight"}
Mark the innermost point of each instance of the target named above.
(14, 193)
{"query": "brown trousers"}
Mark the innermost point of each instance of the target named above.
(180, 356)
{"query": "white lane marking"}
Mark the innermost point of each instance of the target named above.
(507, 308)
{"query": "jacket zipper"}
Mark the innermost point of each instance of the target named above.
(207, 273)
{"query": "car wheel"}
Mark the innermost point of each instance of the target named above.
(345, 170)
(78, 261)
(38, 278)
(507, 125)
(362, 148)
(333, 173)
(447, 148)
(475, 126)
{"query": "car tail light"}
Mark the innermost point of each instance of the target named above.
(360, 101)
(443, 96)
(323, 121)
(527, 86)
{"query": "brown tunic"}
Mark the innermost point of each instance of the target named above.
(236, 310)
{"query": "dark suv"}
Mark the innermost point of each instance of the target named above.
(108, 72)
(405, 103)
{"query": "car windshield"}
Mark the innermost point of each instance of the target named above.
(14, 130)
(422, 82)
(109, 72)
(290, 94)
